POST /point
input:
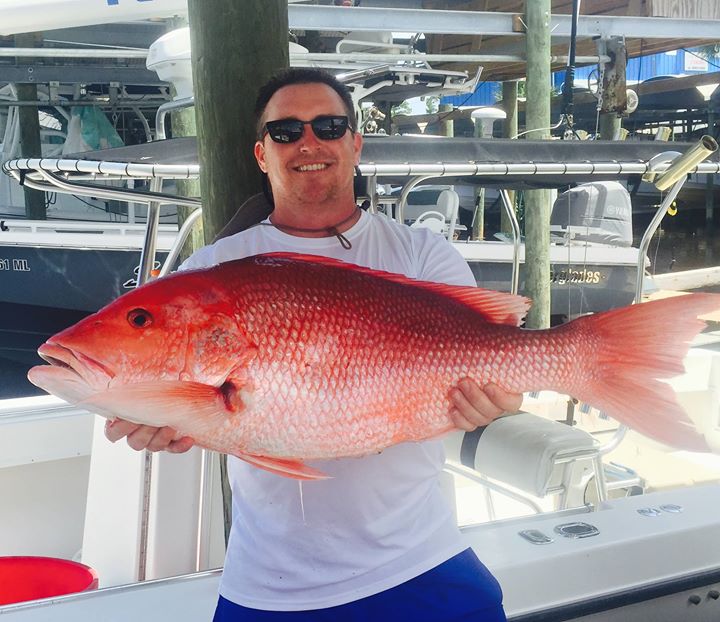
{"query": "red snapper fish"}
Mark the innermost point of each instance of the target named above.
(282, 358)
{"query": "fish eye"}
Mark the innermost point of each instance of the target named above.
(139, 318)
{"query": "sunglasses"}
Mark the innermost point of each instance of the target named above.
(325, 127)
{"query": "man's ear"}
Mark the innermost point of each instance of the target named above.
(259, 152)
(357, 145)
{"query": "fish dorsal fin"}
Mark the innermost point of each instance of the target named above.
(495, 307)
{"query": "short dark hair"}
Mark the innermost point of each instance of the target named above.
(301, 75)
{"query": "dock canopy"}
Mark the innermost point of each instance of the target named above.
(487, 162)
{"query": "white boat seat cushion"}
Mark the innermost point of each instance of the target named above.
(522, 450)
(435, 221)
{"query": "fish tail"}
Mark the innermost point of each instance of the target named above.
(633, 348)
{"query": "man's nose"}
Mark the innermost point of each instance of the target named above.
(308, 141)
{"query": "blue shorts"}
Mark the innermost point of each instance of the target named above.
(458, 590)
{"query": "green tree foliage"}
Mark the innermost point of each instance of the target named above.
(432, 103)
(707, 51)
(403, 107)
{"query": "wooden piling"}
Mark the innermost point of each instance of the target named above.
(446, 126)
(29, 127)
(537, 202)
(614, 90)
(509, 130)
(236, 47)
(183, 123)
(478, 222)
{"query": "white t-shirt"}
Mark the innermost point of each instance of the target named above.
(381, 519)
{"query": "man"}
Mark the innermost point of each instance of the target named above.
(377, 539)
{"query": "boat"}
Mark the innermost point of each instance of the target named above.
(609, 515)
(593, 262)
(590, 271)
(561, 564)
(552, 567)
(53, 273)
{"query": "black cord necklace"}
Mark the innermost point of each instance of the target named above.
(332, 230)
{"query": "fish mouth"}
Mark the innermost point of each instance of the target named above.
(58, 356)
(72, 366)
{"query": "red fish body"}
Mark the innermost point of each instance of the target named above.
(283, 358)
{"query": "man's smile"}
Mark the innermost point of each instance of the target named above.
(317, 166)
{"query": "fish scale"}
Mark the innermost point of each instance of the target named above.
(409, 336)
(282, 358)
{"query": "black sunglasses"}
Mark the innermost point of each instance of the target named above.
(325, 127)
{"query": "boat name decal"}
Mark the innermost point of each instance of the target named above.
(576, 276)
(16, 265)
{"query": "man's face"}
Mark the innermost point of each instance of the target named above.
(309, 170)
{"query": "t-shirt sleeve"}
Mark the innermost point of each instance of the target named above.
(226, 249)
(439, 262)
(199, 259)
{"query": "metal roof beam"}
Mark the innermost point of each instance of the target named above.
(135, 35)
(606, 26)
(309, 17)
(79, 74)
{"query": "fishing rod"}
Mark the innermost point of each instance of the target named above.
(569, 83)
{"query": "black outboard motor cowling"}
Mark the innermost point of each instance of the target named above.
(599, 212)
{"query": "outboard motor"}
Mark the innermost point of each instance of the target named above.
(599, 212)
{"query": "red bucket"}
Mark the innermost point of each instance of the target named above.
(30, 578)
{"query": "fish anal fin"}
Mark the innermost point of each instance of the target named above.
(495, 307)
(294, 469)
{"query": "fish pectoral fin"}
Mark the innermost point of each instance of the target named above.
(163, 403)
(294, 469)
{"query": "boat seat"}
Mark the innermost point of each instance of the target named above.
(369, 42)
(442, 218)
(435, 221)
(528, 454)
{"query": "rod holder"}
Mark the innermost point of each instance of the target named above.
(685, 163)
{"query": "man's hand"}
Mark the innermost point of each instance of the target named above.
(474, 406)
(141, 437)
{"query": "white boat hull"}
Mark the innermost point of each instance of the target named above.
(637, 568)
